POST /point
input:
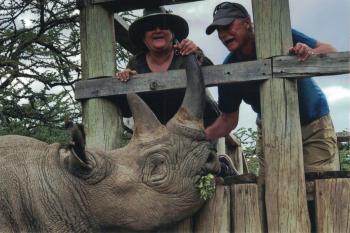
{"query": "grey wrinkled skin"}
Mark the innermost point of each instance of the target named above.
(149, 183)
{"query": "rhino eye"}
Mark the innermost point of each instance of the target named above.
(157, 166)
(155, 170)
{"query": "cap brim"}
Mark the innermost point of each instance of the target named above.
(175, 23)
(218, 23)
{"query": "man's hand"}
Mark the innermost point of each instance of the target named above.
(186, 47)
(124, 75)
(302, 51)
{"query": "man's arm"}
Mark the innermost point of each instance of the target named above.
(303, 51)
(222, 126)
(322, 47)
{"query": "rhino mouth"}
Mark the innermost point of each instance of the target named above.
(211, 166)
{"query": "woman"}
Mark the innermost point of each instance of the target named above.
(156, 36)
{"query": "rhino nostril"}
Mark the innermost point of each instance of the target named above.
(211, 158)
(212, 164)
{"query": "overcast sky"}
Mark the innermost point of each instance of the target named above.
(325, 20)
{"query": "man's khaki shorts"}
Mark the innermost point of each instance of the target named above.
(319, 146)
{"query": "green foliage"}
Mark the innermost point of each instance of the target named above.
(43, 133)
(253, 164)
(247, 137)
(344, 156)
(39, 64)
(206, 186)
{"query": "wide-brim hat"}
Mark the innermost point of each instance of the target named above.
(157, 17)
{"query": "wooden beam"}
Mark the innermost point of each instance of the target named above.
(213, 75)
(215, 215)
(343, 136)
(316, 65)
(285, 195)
(121, 29)
(312, 176)
(126, 5)
(101, 118)
(245, 208)
(220, 74)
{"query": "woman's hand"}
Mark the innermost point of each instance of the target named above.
(186, 47)
(124, 75)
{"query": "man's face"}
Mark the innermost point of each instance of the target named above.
(235, 35)
(158, 39)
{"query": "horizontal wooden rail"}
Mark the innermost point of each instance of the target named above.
(317, 65)
(283, 67)
(343, 136)
(126, 5)
(174, 79)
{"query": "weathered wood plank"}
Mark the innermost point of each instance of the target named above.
(343, 136)
(213, 75)
(245, 208)
(241, 179)
(100, 117)
(215, 216)
(122, 34)
(126, 5)
(311, 176)
(285, 196)
(184, 226)
(316, 65)
(332, 205)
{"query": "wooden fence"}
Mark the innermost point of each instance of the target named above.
(280, 205)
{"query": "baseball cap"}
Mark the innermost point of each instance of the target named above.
(224, 14)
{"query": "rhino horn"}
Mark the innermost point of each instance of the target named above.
(190, 114)
(146, 124)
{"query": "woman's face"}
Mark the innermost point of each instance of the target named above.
(158, 39)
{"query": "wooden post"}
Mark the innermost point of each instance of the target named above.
(184, 226)
(285, 196)
(214, 217)
(332, 205)
(245, 208)
(101, 117)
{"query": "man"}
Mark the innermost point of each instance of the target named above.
(235, 30)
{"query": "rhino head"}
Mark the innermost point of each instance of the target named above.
(152, 181)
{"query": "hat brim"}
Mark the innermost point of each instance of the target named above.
(175, 23)
(218, 23)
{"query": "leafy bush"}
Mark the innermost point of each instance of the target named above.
(344, 156)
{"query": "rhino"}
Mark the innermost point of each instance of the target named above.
(149, 183)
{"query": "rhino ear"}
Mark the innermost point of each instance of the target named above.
(77, 161)
(77, 143)
(145, 122)
(76, 165)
